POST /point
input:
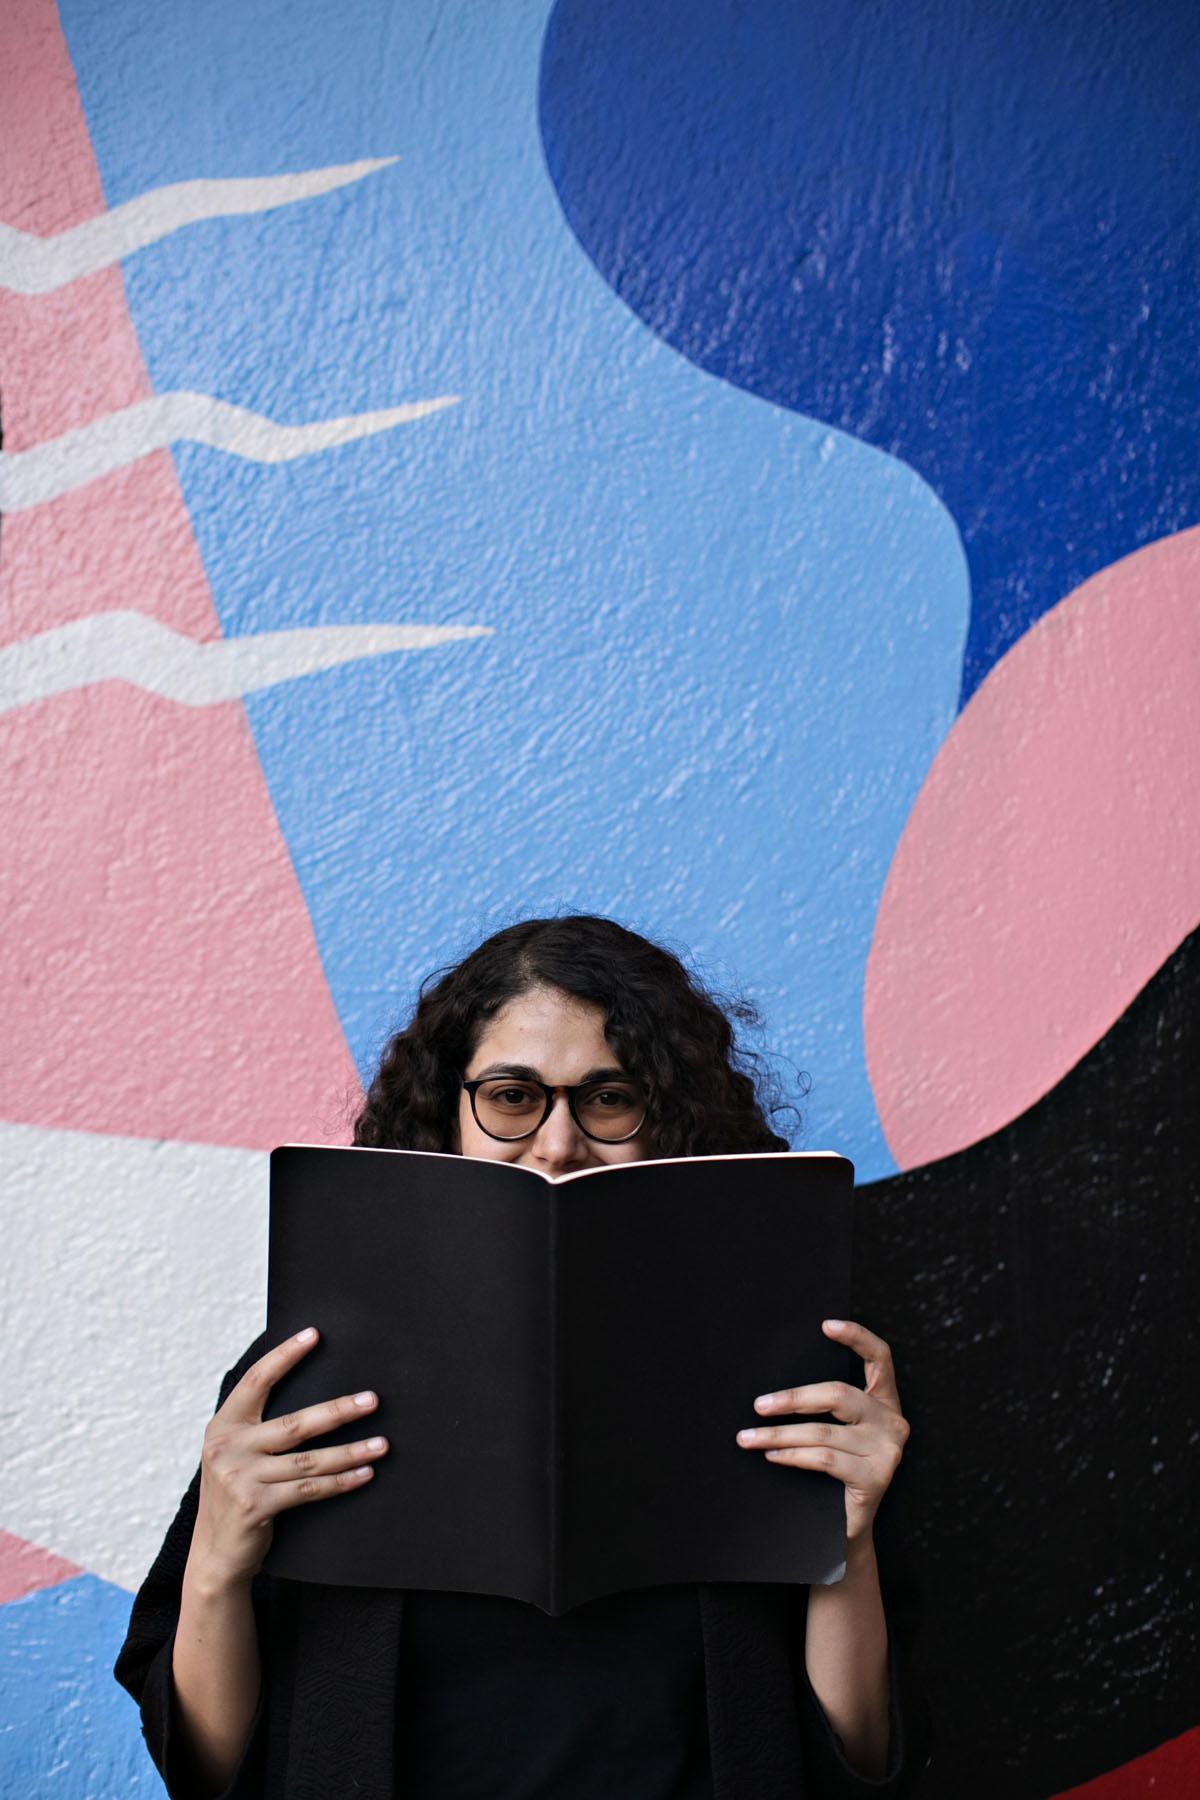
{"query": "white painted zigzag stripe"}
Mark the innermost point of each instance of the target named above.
(37, 265)
(129, 646)
(30, 477)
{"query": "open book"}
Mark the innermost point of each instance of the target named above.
(562, 1366)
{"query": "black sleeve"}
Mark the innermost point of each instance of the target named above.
(143, 1666)
(828, 1775)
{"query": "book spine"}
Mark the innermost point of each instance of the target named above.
(555, 1431)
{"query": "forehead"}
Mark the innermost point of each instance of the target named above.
(546, 1030)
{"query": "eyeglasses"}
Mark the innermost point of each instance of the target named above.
(510, 1107)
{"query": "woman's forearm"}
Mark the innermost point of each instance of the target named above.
(216, 1672)
(845, 1653)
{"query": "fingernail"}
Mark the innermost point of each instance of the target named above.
(307, 1335)
(834, 1324)
(364, 1399)
(375, 1443)
(765, 1400)
(363, 1472)
(749, 1437)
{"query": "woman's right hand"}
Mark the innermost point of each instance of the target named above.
(251, 1469)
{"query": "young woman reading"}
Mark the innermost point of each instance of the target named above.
(560, 1044)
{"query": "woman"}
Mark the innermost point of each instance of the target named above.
(560, 1044)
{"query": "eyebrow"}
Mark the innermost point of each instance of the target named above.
(523, 1072)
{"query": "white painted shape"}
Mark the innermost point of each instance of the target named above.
(37, 265)
(133, 1276)
(31, 477)
(123, 645)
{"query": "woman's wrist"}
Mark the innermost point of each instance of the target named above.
(211, 1582)
(860, 1553)
(846, 1657)
(215, 1671)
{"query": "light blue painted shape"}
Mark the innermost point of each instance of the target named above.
(66, 1729)
(728, 639)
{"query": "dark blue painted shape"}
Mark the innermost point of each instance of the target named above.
(964, 233)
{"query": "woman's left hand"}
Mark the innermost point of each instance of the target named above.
(863, 1450)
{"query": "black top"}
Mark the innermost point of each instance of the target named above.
(334, 1715)
(499, 1701)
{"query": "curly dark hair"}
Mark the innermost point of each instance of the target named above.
(706, 1094)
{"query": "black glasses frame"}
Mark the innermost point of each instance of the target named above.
(551, 1093)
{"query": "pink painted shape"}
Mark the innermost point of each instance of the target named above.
(159, 965)
(1051, 862)
(1170, 1772)
(25, 1567)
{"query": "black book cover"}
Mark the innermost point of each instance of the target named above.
(562, 1366)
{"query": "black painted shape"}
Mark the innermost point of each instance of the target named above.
(1040, 1288)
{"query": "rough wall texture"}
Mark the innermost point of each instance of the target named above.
(731, 467)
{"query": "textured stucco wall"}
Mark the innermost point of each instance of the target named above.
(728, 467)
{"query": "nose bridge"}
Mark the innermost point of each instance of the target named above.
(559, 1132)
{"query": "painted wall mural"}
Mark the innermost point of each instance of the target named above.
(730, 467)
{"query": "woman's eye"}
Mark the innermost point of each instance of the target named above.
(510, 1096)
(610, 1098)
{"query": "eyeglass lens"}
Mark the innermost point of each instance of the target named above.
(508, 1108)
